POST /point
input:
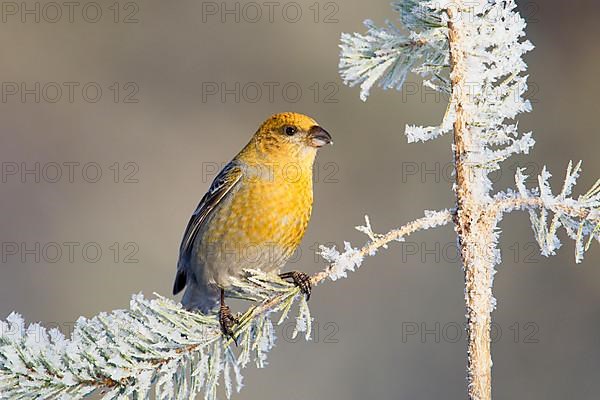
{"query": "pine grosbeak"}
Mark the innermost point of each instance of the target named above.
(253, 216)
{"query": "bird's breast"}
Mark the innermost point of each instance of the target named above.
(276, 209)
(259, 226)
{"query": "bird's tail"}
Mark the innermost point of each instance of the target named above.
(198, 294)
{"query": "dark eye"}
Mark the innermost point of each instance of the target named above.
(290, 130)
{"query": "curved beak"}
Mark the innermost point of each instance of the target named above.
(318, 136)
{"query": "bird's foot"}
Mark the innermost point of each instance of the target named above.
(301, 280)
(227, 321)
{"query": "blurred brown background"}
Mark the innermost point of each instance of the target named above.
(156, 134)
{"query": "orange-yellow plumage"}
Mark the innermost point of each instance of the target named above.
(257, 210)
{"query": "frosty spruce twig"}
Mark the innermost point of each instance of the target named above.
(123, 354)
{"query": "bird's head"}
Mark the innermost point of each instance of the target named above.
(290, 135)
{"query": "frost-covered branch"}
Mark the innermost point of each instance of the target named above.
(387, 55)
(351, 258)
(580, 217)
(473, 51)
(157, 344)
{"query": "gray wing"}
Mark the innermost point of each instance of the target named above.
(225, 181)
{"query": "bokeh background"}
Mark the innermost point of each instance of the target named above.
(157, 133)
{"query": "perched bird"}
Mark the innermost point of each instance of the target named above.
(253, 216)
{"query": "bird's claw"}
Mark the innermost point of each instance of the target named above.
(227, 321)
(301, 280)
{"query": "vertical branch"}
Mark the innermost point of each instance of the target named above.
(484, 43)
(475, 230)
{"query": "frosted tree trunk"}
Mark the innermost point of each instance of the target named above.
(473, 50)
(474, 230)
